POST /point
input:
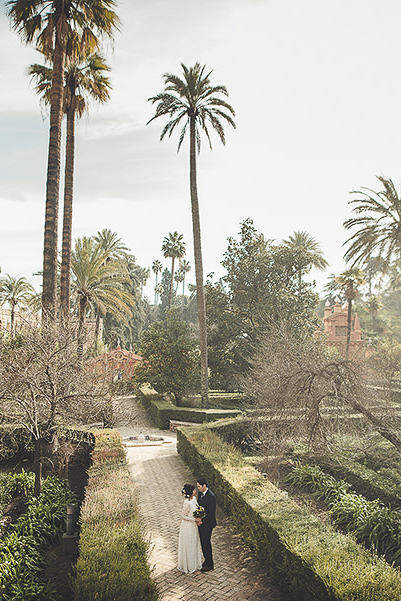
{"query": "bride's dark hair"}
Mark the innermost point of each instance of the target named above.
(187, 490)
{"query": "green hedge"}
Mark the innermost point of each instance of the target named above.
(112, 563)
(161, 412)
(366, 481)
(306, 557)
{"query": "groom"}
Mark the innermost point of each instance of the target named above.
(208, 501)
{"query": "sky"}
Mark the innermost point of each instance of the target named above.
(315, 86)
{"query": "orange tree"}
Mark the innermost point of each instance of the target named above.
(171, 358)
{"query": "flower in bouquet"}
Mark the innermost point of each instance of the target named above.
(200, 512)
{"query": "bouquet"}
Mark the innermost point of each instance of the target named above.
(199, 512)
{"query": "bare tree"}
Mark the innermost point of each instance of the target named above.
(45, 390)
(305, 386)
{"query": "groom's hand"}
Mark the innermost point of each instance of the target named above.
(198, 521)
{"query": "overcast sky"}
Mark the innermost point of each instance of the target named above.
(316, 89)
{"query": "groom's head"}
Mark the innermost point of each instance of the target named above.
(201, 483)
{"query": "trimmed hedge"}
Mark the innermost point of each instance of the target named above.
(366, 481)
(307, 558)
(112, 563)
(161, 412)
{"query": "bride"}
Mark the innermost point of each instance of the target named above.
(189, 548)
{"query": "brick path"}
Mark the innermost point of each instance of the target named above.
(159, 473)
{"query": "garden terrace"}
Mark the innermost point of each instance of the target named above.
(308, 558)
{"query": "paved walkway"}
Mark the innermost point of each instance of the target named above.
(159, 473)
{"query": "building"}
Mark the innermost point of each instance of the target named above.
(118, 364)
(335, 328)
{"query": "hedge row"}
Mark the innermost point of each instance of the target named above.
(364, 480)
(306, 557)
(112, 563)
(161, 412)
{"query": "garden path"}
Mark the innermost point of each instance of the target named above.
(159, 473)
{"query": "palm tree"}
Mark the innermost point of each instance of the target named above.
(52, 25)
(179, 277)
(144, 273)
(84, 78)
(185, 268)
(349, 281)
(156, 268)
(111, 244)
(374, 305)
(378, 223)
(97, 283)
(173, 247)
(197, 105)
(307, 253)
(15, 291)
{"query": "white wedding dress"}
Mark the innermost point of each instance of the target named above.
(189, 547)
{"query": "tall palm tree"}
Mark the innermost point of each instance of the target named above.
(185, 268)
(97, 283)
(196, 105)
(84, 79)
(15, 291)
(173, 247)
(349, 281)
(51, 25)
(307, 253)
(156, 268)
(379, 225)
(144, 273)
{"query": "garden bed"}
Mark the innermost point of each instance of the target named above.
(305, 556)
(112, 563)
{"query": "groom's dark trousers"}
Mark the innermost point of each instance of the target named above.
(208, 502)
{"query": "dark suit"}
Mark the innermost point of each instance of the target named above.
(208, 502)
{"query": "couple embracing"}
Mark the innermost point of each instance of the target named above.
(198, 519)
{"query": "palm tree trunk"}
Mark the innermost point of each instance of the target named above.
(198, 264)
(65, 285)
(81, 323)
(12, 319)
(170, 296)
(97, 326)
(155, 302)
(49, 292)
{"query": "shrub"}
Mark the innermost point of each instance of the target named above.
(171, 358)
(112, 563)
(161, 412)
(377, 527)
(21, 551)
(308, 558)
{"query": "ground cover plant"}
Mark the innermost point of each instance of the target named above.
(307, 557)
(112, 563)
(376, 526)
(23, 547)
